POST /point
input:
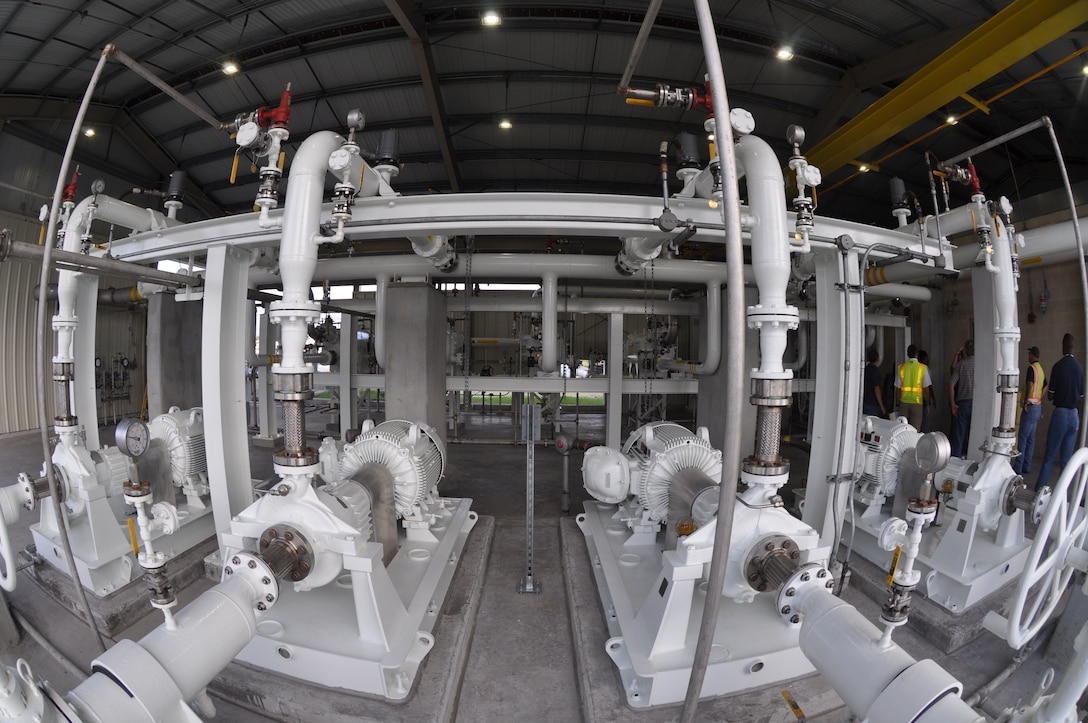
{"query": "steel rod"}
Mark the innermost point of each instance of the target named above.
(159, 83)
(640, 45)
(98, 265)
(1044, 121)
(44, 362)
(734, 341)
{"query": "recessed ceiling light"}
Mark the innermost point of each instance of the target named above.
(784, 53)
(89, 132)
(230, 67)
(491, 18)
(505, 124)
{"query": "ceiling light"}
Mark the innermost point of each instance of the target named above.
(951, 120)
(505, 124)
(784, 53)
(230, 67)
(1085, 70)
(863, 168)
(89, 132)
(491, 18)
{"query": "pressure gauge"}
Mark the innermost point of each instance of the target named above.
(132, 437)
(98, 185)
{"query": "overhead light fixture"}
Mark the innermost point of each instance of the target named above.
(89, 132)
(505, 124)
(863, 168)
(951, 120)
(230, 67)
(491, 18)
(784, 53)
(1085, 69)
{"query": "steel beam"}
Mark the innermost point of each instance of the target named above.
(1011, 35)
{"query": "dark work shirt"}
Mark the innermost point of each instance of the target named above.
(870, 381)
(1067, 382)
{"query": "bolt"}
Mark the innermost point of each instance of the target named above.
(304, 566)
(762, 587)
(769, 546)
(272, 533)
(288, 536)
(753, 577)
(261, 606)
(269, 597)
(236, 560)
(787, 544)
(821, 573)
(795, 554)
(295, 576)
(795, 619)
(266, 580)
(264, 542)
(790, 592)
(785, 609)
(830, 584)
(252, 564)
(805, 577)
(229, 571)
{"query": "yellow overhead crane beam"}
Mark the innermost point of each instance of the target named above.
(1011, 35)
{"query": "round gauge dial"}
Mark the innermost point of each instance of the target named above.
(132, 437)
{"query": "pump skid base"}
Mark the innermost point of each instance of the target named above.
(369, 630)
(752, 647)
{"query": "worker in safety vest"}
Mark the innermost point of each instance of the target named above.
(914, 385)
(1032, 400)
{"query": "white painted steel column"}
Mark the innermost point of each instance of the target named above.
(349, 397)
(84, 397)
(223, 383)
(266, 407)
(614, 402)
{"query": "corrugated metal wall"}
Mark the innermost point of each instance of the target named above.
(121, 332)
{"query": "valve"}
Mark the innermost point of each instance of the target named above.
(807, 176)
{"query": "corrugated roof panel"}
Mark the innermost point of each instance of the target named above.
(363, 63)
(305, 13)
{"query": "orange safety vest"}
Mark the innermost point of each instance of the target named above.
(911, 374)
(1035, 391)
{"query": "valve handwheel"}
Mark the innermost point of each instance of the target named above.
(1049, 566)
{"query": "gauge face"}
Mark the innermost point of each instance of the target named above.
(132, 437)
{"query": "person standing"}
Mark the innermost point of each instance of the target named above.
(961, 394)
(914, 384)
(1066, 391)
(872, 397)
(1034, 386)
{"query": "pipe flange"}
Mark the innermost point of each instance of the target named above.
(259, 573)
(759, 316)
(1017, 496)
(305, 458)
(1042, 500)
(769, 561)
(810, 575)
(766, 468)
(287, 552)
(136, 491)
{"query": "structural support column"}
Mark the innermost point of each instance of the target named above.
(266, 405)
(223, 361)
(83, 393)
(415, 348)
(614, 402)
(349, 396)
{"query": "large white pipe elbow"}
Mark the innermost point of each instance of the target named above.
(436, 249)
(770, 252)
(298, 249)
(549, 290)
(713, 355)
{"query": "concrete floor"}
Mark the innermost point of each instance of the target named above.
(523, 663)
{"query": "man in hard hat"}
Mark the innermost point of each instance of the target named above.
(914, 385)
(1032, 402)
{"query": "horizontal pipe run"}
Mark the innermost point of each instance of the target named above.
(95, 264)
(159, 83)
(1028, 128)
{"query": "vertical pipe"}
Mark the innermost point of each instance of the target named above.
(44, 366)
(1080, 252)
(550, 316)
(734, 371)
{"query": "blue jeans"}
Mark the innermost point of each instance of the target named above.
(961, 427)
(1060, 438)
(1025, 442)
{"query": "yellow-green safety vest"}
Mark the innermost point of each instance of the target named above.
(911, 374)
(1035, 391)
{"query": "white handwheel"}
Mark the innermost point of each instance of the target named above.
(1048, 568)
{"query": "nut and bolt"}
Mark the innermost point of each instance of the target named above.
(229, 571)
(236, 560)
(805, 577)
(795, 619)
(252, 564)
(304, 566)
(830, 584)
(296, 576)
(769, 546)
(266, 580)
(785, 609)
(272, 533)
(288, 536)
(821, 573)
(264, 542)
(261, 606)
(269, 597)
(790, 591)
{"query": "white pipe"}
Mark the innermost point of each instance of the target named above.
(382, 281)
(713, 355)
(907, 292)
(770, 252)
(436, 249)
(298, 250)
(577, 305)
(550, 318)
(802, 349)
(109, 210)
(349, 167)
(511, 266)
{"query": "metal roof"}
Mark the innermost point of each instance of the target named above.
(552, 70)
